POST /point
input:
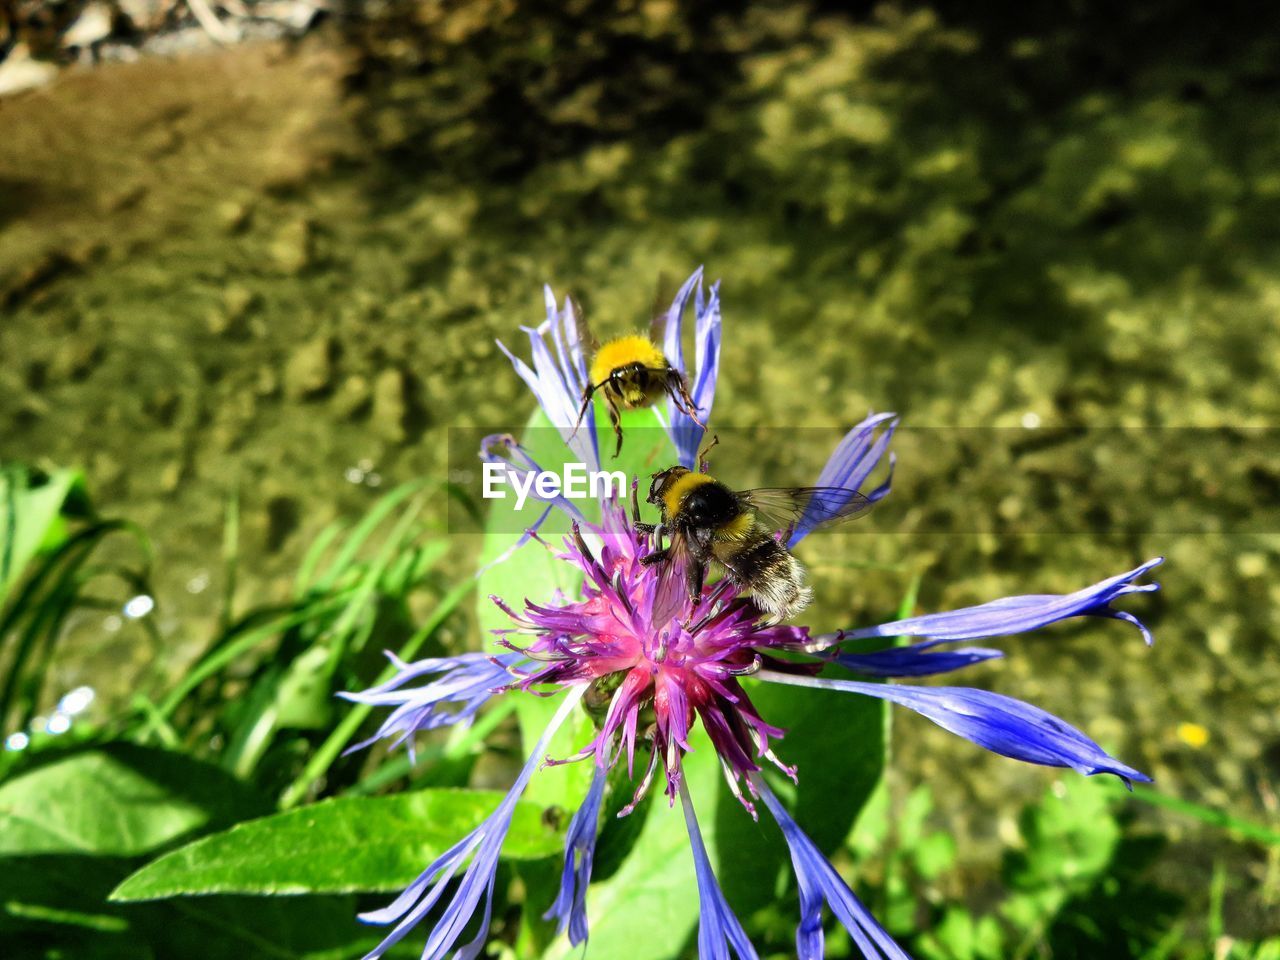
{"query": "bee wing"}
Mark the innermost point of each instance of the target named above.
(677, 547)
(662, 298)
(782, 507)
(589, 343)
(685, 546)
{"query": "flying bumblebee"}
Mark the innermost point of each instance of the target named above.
(707, 521)
(630, 372)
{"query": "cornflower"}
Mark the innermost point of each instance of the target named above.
(650, 662)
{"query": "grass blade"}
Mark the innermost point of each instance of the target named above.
(337, 741)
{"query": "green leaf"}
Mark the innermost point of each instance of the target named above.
(337, 846)
(342, 734)
(44, 892)
(533, 572)
(119, 800)
(654, 884)
(649, 906)
(837, 742)
(271, 928)
(30, 518)
(935, 854)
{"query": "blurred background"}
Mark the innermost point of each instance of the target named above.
(253, 259)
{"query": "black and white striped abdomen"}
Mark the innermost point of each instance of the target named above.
(774, 576)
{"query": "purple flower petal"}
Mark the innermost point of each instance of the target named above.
(917, 660)
(672, 342)
(848, 467)
(1001, 724)
(1017, 614)
(529, 533)
(685, 432)
(819, 884)
(465, 684)
(559, 374)
(482, 845)
(505, 450)
(558, 382)
(570, 907)
(718, 927)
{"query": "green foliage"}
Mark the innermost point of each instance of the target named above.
(208, 753)
(352, 599)
(117, 800)
(341, 845)
(1088, 198)
(105, 842)
(33, 516)
(650, 865)
(72, 827)
(50, 541)
(1078, 884)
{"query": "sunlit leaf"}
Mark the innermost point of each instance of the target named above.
(533, 572)
(119, 800)
(30, 518)
(336, 846)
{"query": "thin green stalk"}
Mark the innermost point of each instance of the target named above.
(10, 479)
(230, 558)
(908, 604)
(73, 598)
(224, 655)
(463, 742)
(47, 631)
(60, 566)
(315, 553)
(368, 584)
(25, 599)
(1217, 894)
(1209, 815)
(155, 723)
(465, 739)
(256, 742)
(334, 744)
(1167, 944)
(364, 529)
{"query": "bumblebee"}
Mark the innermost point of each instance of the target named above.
(630, 372)
(707, 521)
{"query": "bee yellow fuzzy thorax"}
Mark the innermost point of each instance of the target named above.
(680, 488)
(737, 528)
(623, 352)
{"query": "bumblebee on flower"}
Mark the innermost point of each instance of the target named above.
(652, 650)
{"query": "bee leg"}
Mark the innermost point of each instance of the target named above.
(649, 530)
(702, 457)
(658, 556)
(615, 420)
(582, 412)
(635, 510)
(700, 541)
(695, 573)
(679, 391)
